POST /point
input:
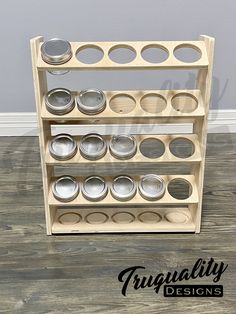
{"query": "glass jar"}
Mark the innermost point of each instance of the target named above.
(151, 187)
(94, 188)
(65, 188)
(123, 188)
(91, 101)
(59, 101)
(92, 146)
(62, 147)
(55, 52)
(123, 146)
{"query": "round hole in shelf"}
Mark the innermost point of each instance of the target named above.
(122, 103)
(187, 53)
(154, 53)
(96, 218)
(182, 147)
(89, 54)
(177, 217)
(123, 218)
(180, 188)
(122, 54)
(184, 102)
(153, 103)
(152, 148)
(149, 217)
(69, 218)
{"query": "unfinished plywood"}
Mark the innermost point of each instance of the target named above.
(133, 107)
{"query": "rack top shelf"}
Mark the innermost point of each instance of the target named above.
(105, 48)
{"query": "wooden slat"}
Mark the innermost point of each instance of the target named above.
(40, 88)
(137, 63)
(137, 114)
(138, 157)
(117, 220)
(136, 200)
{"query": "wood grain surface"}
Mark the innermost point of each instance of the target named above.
(78, 274)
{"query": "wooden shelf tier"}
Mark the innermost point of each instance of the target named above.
(138, 62)
(91, 220)
(167, 156)
(176, 106)
(167, 199)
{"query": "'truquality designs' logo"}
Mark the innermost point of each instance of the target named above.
(202, 268)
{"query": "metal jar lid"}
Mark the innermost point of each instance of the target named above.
(151, 187)
(62, 147)
(94, 188)
(123, 146)
(59, 101)
(93, 146)
(65, 188)
(56, 51)
(91, 101)
(123, 188)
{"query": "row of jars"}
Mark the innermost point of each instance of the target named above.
(92, 146)
(60, 101)
(95, 188)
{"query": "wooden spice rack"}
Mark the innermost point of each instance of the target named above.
(167, 214)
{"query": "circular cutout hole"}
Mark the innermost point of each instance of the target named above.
(89, 54)
(187, 53)
(122, 54)
(154, 53)
(182, 147)
(69, 218)
(149, 217)
(153, 103)
(177, 217)
(152, 148)
(122, 103)
(123, 218)
(184, 102)
(96, 218)
(180, 189)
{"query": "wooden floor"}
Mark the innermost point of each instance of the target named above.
(78, 274)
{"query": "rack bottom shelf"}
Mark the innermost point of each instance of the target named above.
(111, 220)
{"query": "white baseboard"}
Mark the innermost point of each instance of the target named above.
(25, 124)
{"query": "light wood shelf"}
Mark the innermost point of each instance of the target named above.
(130, 107)
(167, 199)
(103, 220)
(167, 156)
(135, 114)
(138, 62)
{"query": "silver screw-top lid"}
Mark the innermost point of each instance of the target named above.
(151, 187)
(65, 188)
(123, 188)
(62, 147)
(56, 51)
(94, 188)
(59, 101)
(123, 146)
(91, 101)
(93, 146)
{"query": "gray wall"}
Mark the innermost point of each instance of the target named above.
(98, 20)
